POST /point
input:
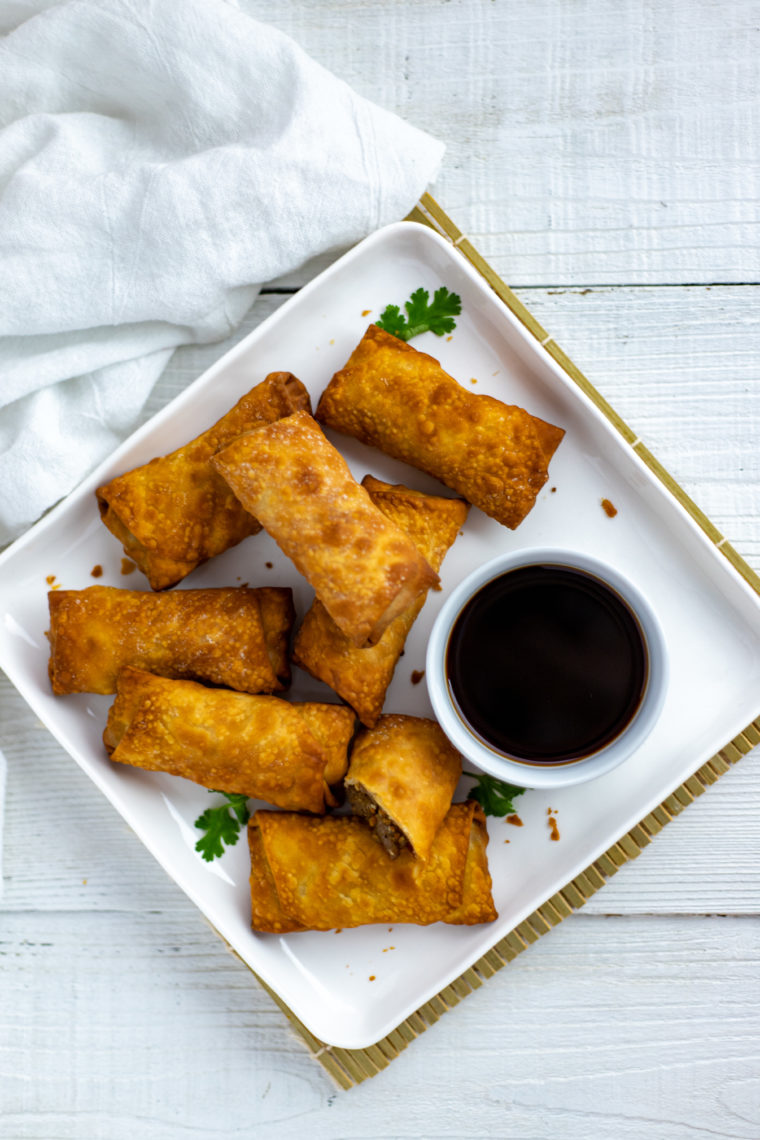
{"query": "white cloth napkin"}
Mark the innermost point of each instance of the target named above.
(159, 160)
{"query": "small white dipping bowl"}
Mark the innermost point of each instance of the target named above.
(529, 773)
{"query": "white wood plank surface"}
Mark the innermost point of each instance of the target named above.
(603, 155)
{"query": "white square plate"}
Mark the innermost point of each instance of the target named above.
(352, 988)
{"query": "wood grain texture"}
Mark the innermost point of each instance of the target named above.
(588, 1033)
(603, 156)
(602, 141)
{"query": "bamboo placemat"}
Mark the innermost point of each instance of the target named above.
(352, 1066)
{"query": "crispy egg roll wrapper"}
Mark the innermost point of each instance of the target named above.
(363, 568)
(259, 746)
(400, 400)
(176, 512)
(402, 776)
(361, 676)
(333, 726)
(232, 636)
(324, 873)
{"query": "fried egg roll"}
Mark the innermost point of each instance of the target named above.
(363, 568)
(324, 873)
(333, 726)
(361, 676)
(400, 400)
(401, 778)
(258, 746)
(232, 636)
(176, 512)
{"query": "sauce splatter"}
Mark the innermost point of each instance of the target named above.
(609, 508)
(50, 579)
(514, 820)
(417, 676)
(552, 821)
(387, 948)
(97, 571)
(366, 312)
(554, 490)
(269, 565)
(372, 977)
(473, 380)
(127, 566)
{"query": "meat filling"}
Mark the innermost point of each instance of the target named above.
(361, 803)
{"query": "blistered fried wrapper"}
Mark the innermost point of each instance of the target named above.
(321, 873)
(400, 400)
(259, 746)
(232, 636)
(176, 512)
(361, 676)
(364, 569)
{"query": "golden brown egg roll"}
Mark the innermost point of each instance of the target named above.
(175, 512)
(363, 568)
(324, 873)
(232, 636)
(402, 775)
(258, 746)
(333, 726)
(400, 400)
(361, 676)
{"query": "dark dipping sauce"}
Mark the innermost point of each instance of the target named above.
(546, 664)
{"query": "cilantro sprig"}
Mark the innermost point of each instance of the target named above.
(494, 796)
(422, 315)
(221, 825)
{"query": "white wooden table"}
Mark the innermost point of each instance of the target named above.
(603, 155)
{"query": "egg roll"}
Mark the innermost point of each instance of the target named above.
(232, 636)
(333, 727)
(176, 512)
(402, 775)
(323, 873)
(393, 397)
(361, 676)
(364, 569)
(258, 746)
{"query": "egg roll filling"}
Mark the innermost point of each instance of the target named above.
(362, 804)
(402, 777)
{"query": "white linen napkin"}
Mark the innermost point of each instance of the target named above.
(159, 160)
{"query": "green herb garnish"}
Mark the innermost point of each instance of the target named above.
(494, 796)
(421, 316)
(221, 825)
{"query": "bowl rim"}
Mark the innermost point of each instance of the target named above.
(524, 773)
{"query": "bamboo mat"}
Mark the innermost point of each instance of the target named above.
(350, 1067)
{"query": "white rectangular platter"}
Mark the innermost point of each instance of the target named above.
(351, 988)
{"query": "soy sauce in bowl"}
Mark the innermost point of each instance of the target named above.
(546, 664)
